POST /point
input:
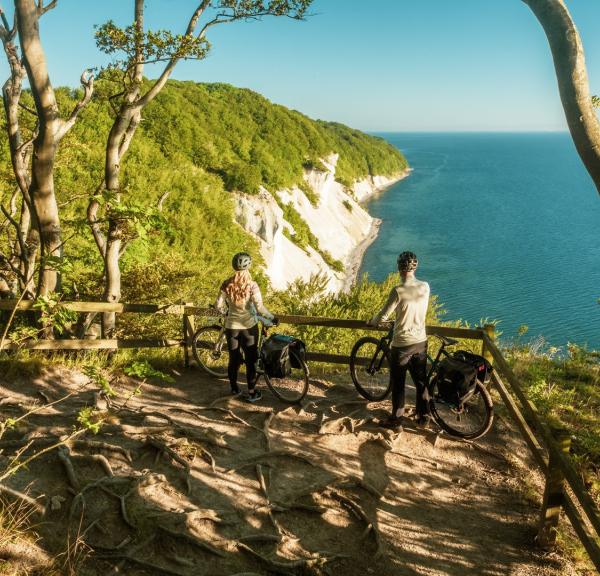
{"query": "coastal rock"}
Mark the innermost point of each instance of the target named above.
(343, 228)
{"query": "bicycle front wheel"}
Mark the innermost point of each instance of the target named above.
(469, 420)
(293, 387)
(370, 368)
(210, 350)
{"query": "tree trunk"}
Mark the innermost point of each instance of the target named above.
(41, 192)
(569, 63)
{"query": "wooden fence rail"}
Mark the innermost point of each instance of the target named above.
(554, 462)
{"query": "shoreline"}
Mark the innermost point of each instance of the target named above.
(356, 257)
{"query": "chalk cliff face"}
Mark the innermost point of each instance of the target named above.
(343, 228)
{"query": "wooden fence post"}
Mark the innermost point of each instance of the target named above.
(188, 333)
(490, 330)
(553, 492)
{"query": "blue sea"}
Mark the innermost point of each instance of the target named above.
(506, 227)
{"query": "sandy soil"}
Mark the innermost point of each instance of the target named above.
(191, 482)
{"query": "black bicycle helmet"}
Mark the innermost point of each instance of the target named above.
(241, 261)
(407, 262)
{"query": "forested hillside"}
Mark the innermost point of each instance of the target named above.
(196, 144)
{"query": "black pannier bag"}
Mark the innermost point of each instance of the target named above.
(455, 379)
(276, 358)
(483, 367)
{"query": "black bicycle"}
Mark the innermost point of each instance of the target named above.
(468, 417)
(209, 347)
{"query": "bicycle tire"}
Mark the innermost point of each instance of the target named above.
(470, 421)
(294, 387)
(370, 368)
(210, 358)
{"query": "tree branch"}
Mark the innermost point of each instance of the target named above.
(87, 81)
(92, 218)
(166, 73)
(17, 228)
(43, 9)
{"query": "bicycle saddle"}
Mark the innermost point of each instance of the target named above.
(448, 341)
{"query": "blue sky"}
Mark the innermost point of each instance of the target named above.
(375, 65)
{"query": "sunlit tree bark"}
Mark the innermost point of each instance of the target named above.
(573, 85)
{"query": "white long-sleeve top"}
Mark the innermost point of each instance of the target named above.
(244, 316)
(409, 301)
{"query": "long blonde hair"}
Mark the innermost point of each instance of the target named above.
(239, 286)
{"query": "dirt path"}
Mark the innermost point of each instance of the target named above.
(207, 484)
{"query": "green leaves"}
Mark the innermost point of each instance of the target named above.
(149, 46)
(54, 314)
(96, 375)
(87, 417)
(142, 369)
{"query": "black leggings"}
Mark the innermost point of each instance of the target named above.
(414, 359)
(246, 340)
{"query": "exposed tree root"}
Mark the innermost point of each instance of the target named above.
(265, 429)
(163, 570)
(98, 458)
(288, 567)
(259, 458)
(105, 446)
(205, 546)
(160, 445)
(260, 538)
(123, 504)
(340, 423)
(353, 507)
(16, 495)
(64, 455)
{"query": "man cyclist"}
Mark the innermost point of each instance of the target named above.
(409, 301)
(241, 299)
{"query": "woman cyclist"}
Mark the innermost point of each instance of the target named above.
(240, 297)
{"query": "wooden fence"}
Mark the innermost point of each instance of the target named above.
(564, 489)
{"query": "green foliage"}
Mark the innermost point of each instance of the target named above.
(248, 141)
(88, 418)
(97, 376)
(363, 300)
(196, 142)
(54, 314)
(312, 196)
(336, 265)
(302, 236)
(595, 101)
(564, 385)
(143, 370)
(153, 46)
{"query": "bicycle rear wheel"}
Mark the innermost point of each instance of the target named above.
(293, 387)
(370, 368)
(469, 420)
(210, 350)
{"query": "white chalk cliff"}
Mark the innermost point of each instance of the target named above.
(341, 225)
